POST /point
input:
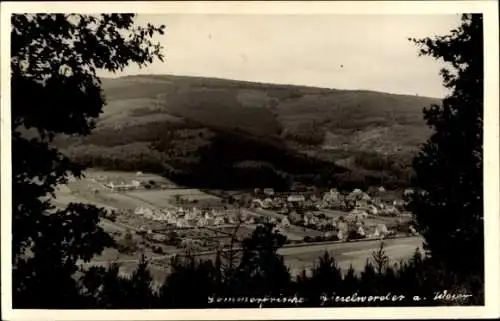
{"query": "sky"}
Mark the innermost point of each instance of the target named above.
(368, 52)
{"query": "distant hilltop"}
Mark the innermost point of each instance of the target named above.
(370, 133)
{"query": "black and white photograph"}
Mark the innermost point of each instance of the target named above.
(161, 159)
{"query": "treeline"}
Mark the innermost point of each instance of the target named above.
(308, 133)
(259, 272)
(201, 157)
(234, 159)
(398, 163)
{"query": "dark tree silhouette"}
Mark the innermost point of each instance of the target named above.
(140, 292)
(350, 281)
(188, 285)
(449, 203)
(380, 259)
(262, 269)
(55, 90)
(326, 276)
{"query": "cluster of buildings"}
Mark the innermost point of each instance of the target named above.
(357, 202)
(120, 184)
(356, 206)
(123, 186)
(192, 217)
(339, 228)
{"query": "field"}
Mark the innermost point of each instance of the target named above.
(355, 253)
(122, 175)
(300, 257)
(166, 198)
(297, 258)
(92, 191)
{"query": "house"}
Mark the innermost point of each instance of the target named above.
(296, 199)
(231, 219)
(201, 222)
(398, 203)
(378, 203)
(285, 222)
(390, 210)
(219, 220)
(256, 203)
(380, 231)
(356, 192)
(123, 186)
(157, 237)
(190, 216)
(361, 231)
(294, 217)
(365, 197)
(279, 229)
(181, 223)
(267, 203)
(406, 215)
(332, 196)
(372, 210)
(342, 235)
(143, 211)
(188, 243)
(314, 220)
(328, 234)
(357, 214)
(268, 191)
(408, 192)
(342, 226)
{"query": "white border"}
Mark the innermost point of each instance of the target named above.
(491, 155)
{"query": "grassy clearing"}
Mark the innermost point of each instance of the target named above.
(167, 198)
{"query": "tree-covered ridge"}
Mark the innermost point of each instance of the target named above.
(359, 128)
(55, 58)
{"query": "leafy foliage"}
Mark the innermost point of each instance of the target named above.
(54, 58)
(449, 204)
(261, 269)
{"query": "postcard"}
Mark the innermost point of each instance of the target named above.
(250, 160)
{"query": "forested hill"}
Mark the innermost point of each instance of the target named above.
(196, 129)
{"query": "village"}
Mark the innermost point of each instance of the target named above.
(303, 216)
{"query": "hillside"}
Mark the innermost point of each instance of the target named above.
(370, 121)
(362, 130)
